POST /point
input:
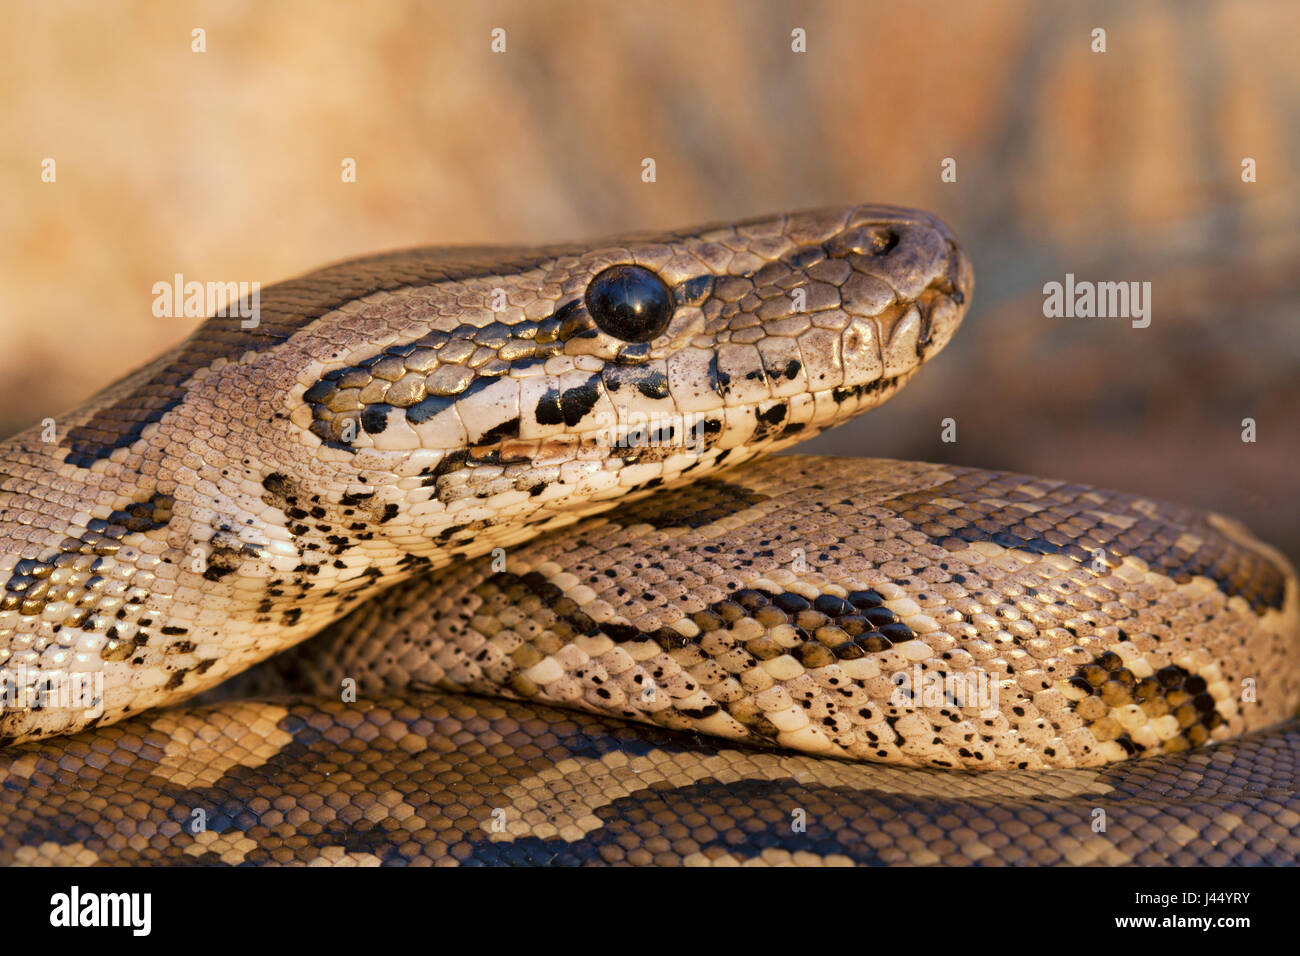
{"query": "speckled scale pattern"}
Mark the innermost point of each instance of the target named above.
(401, 412)
(456, 780)
(822, 605)
(392, 418)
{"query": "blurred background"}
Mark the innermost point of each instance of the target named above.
(1122, 165)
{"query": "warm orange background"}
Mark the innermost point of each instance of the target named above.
(1124, 165)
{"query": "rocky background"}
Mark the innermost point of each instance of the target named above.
(1122, 165)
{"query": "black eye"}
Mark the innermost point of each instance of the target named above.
(629, 303)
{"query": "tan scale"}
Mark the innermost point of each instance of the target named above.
(390, 420)
(799, 602)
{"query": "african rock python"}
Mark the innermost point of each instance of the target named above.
(428, 419)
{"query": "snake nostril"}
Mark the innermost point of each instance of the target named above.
(883, 242)
(872, 240)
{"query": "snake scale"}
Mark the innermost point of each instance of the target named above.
(565, 617)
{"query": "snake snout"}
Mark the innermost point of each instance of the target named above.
(883, 288)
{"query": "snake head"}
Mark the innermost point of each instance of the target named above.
(544, 381)
(433, 403)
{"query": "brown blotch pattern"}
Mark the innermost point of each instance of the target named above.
(69, 576)
(447, 780)
(1041, 516)
(1181, 698)
(807, 604)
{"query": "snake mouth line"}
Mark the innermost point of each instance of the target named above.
(695, 438)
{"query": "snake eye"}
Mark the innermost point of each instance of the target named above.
(629, 303)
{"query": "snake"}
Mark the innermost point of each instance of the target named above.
(476, 555)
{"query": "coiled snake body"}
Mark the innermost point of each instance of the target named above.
(824, 647)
